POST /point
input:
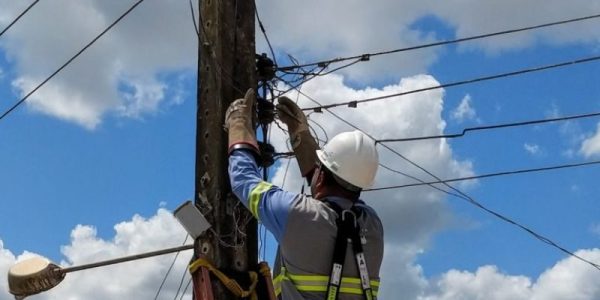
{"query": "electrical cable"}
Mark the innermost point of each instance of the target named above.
(185, 271)
(70, 60)
(194, 19)
(320, 73)
(169, 270)
(504, 173)
(468, 198)
(446, 42)
(187, 286)
(489, 127)
(353, 103)
(19, 17)
(264, 32)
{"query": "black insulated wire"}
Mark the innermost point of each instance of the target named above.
(353, 103)
(491, 127)
(489, 175)
(446, 42)
(461, 195)
(18, 17)
(12, 108)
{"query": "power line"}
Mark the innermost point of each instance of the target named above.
(70, 60)
(366, 56)
(194, 19)
(489, 127)
(354, 103)
(185, 271)
(264, 32)
(169, 270)
(466, 197)
(505, 173)
(185, 289)
(19, 17)
(319, 73)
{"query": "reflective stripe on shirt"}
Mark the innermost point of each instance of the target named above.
(318, 283)
(255, 196)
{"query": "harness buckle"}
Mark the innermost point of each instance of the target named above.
(344, 212)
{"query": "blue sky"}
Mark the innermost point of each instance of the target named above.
(92, 164)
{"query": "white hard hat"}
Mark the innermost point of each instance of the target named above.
(351, 156)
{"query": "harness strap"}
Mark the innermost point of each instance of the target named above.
(348, 228)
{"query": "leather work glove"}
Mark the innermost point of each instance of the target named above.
(303, 144)
(238, 122)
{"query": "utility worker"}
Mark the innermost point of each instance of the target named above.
(308, 228)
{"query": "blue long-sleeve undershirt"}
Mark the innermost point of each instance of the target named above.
(268, 203)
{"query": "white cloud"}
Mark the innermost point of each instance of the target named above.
(532, 149)
(132, 280)
(321, 30)
(138, 50)
(314, 30)
(464, 111)
(591, 145)
(567, 279)
(133, 55)
(485, 283)
(472, 17)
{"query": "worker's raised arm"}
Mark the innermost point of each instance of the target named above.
(303, 144)
(267, 203)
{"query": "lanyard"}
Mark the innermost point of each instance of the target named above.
(348, 228)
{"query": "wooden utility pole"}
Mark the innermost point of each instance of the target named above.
(226, 69)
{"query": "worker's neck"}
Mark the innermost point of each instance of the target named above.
(331, 191)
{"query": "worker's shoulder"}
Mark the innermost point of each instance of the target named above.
(369, 213)
(366, 208)
(311, 208)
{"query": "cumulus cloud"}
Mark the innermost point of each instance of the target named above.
(567, 279)
(469, 18)
(313, 30)
(120, 73)
(464, 111)
(132, 280)
(591, 146)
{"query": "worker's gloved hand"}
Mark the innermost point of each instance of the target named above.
(304, 145)
(290, 114)
(238, 122)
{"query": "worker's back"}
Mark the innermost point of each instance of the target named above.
(306, 251)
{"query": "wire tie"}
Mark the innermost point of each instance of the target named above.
(352, 104)
(318, 110)
(365, 57)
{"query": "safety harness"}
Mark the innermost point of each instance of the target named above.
(348, 228)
